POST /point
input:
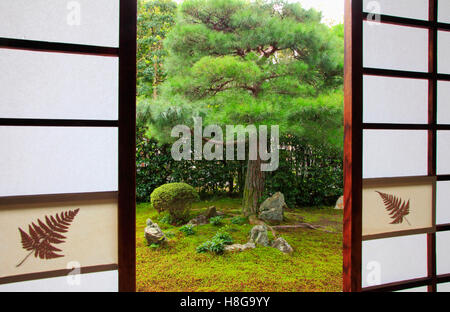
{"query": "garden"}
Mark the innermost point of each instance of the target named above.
(224, 223)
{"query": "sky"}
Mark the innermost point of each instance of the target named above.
(332, 10)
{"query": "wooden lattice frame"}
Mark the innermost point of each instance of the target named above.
(126, 127)
(354, 127)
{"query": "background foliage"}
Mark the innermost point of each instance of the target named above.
(310, 173)
(155, 19)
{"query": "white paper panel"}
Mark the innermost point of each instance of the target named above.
(417, 9)
(416, 289)
(92, 282)
(49, 160)
(444, 11)
(443, 152)
(443, 52)
(395, 100)
(394, 153)
(443, 252)
(443, 202)
(394, 259)
(395, 47)
(91, 22)
(444, 287)
(58, 85)
(443, 102)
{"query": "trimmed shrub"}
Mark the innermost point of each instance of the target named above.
(165, 218)
(175, 198)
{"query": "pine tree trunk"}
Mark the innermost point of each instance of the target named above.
(254, 187)
(241, 179)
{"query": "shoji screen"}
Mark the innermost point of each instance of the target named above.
(67, 118)
(397, 148)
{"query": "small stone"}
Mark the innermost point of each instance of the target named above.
(258, 235)
(149, 222)
(282, 245)
(239, 247)
(153, 234)
(199, 220)
(340, 203)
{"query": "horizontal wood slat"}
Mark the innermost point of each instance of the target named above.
(56, 273)
(33, 45)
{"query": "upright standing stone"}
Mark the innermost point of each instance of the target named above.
(258, 235)
(272, 209)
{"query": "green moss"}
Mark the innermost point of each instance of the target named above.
(315, 264)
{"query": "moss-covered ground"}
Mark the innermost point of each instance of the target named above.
(315, 265)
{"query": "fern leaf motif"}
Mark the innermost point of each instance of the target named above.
(397, 208)
(42, 236)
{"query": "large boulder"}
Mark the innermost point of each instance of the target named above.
(282, 245)
(153, 233)
(272, 209)
(239, 247)
(340, 203)
(258, 235)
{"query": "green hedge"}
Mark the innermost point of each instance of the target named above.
(309, 174)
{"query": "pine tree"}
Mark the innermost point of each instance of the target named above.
(240, 62)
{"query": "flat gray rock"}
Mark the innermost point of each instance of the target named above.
(199, 220)
(239, 247)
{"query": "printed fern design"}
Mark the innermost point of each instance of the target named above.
(397, 208)
(41, 238)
